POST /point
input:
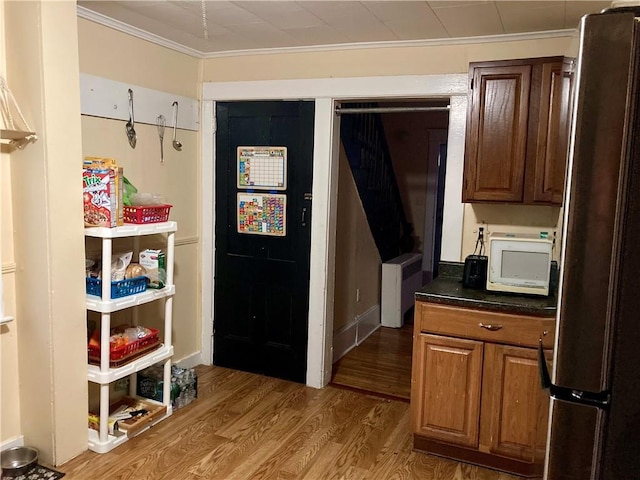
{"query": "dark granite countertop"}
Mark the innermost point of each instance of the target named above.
(447, 289)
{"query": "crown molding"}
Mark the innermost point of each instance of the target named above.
(436, 42)
(153, 38)
(135, 32)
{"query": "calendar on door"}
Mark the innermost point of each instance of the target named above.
(262, 167)
(262, 214)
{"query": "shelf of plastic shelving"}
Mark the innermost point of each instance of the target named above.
(131, 230)
(96, 375)
(114, 440)
(96, 304)
(103, 447)
(118, 439)
(103, 441)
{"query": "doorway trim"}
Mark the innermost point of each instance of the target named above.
(326, 92)
(436, 137)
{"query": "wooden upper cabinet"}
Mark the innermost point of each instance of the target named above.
(517, 131)
(497, 134)
(550, 134)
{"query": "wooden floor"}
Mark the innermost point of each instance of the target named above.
(245, 426)
(381, 364)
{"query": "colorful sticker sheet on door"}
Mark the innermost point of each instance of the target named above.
(262, 214)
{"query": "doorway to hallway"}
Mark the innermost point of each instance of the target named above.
(367, 356)
(380, 365)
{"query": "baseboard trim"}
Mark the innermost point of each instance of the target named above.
(368, 323)
(344, 340)
(356, 332)
(12, 442)
(190, 361)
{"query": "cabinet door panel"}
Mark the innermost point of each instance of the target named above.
(552, 136)
(514, 407)
(497, 134)
(446, 384)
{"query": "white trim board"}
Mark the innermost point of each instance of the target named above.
(101, 97)
(326, 92)
(12, 442)
(356, 332)
(402, 86)
(208, 221)
(190, 361)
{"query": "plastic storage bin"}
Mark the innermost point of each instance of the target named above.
(146, 214)
(121, 288)
(120, 355)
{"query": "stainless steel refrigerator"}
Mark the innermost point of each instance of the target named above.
(594, 426)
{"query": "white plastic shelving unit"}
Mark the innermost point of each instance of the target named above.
(103, 375)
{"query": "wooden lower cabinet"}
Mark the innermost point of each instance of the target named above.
(475, 400)
(516, 409)
(449, 376)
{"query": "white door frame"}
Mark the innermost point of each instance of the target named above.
(325, 92)
(436, 137)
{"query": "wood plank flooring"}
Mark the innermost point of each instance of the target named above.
(246, 426)
(381, 364)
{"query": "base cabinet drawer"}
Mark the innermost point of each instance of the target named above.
(475, 400)
(494, 327)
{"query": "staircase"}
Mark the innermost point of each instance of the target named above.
(366, 147)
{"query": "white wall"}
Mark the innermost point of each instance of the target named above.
(47, 227)
(358, 268)
(116, 57)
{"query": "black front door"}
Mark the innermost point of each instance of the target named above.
(261, 288)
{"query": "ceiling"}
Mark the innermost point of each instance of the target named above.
(205, 28)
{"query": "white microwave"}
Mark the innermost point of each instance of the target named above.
(519, 263)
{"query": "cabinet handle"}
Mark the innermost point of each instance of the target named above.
(493, 328)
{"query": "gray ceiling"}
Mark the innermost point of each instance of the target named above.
(258, 25)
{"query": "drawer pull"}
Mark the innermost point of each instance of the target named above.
(492, 328)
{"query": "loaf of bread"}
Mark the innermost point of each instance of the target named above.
(135, 270)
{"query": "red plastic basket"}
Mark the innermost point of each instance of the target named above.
(146, 214)
(120, 355)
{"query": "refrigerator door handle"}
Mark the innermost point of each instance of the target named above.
(543, 370)
(600, 399)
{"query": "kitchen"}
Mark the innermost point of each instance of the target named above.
(99, 57)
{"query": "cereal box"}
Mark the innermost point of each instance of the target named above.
(99, 198)
(99, 163)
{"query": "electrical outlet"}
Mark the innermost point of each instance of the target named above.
(357, 295)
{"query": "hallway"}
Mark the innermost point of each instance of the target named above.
(381, 364)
